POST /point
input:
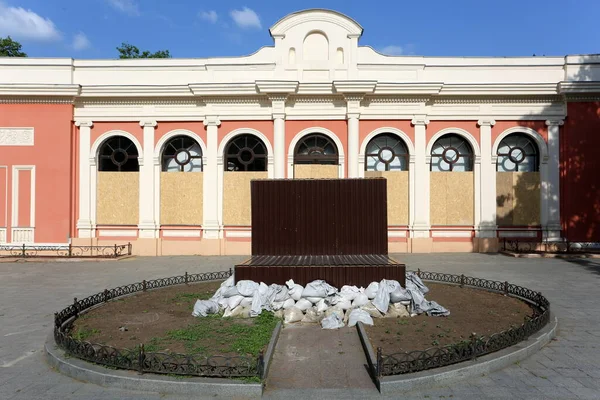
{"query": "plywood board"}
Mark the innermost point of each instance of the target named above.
(118, 198)
(437, 200)
(181, 198)
(312, 171)
(397, 195)
(460, 198)
(526, 198)
(504, 198)
(236, 197)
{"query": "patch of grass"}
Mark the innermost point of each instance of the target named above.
(403, 322)
(249, 379)
(82, 333)
(191, 297)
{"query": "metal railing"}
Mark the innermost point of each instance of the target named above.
(140, 360)
(29, 251)
(549, 246)
(476, 346)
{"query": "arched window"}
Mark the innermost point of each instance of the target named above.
(118, 153)
(183, 154)
(386, 152)
(451, 153)
(246, 153)
(517, 152)
(316, 149)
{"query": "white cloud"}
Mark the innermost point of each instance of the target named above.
(129, 7)
(246, 18)
(25, 24)
(81, 42)
(392, 50)
(210, 16)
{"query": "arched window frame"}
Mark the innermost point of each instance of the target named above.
(243, 148)
(452, 152)
(191, 150)
(118, 154)
(316, 150)
(398, 150)
(524, 148)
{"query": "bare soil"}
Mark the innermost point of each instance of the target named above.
(162, 320)
(471, 311)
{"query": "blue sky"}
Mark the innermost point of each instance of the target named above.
(201, 28)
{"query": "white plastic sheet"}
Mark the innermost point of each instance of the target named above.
(202, 308)
(359, 315)
(247, 288)
(360, 300)
(333, 321)
(371, 290)
(318, 288)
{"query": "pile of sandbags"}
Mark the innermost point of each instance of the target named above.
(320, 302)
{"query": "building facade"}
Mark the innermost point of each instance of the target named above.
(160, 152)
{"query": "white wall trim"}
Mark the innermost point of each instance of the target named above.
(6, 221)
(461, 132)
(394, 131)
(106, 135)
(15, 195)
(241, 131)
(322, 131)
(533, 134)
(517, 234)
(238, 234)
(182, 233)
(117, 233)
(178, 132)
(451, 234)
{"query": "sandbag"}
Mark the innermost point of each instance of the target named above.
(289, 303)
(246, 302)
(303, 304)
(277, 305)
(400, 294)
(295, 290)
(230, 292)
(322, 306)
(335, 310)
(382, 298)
(372, 310)
(234, 301)
(314, 300)
(227, 312)
(292, 315)
(312, 316)
(247, 288)
(278, 314)
(240, 312)
(222, 302)
(371, 290)
(349, 292)
(318, 288)
(202, 308)
(344, 304)
(360, 300)
(359, 315)
(278, 292)
(229, 282)
(401, 310)
(333, 321)
(414, 282)
(260, 301)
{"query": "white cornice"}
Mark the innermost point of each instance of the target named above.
(354, 86)
(223, 89)
(579, 87)
(498, 89)
(39, 90)
(410, 89)
(135, 91)
(315, 88)
(284, 87)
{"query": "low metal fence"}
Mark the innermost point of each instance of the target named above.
(548, 246)
(476, 346)
(140, 360)
(29, 251)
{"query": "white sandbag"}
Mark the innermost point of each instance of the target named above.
(260, 301)
(382, 298)
(400, 309)
(256, 307)
(222, 302)
(303, 304)
(360, 300)
(344, 304)
(289, 303)
(247, 288)
(400, 294)
(314, 300)
(359, 315)
(333, 321)
(281, 293)
(322, 306)
(277, 305)
(371, 290)
(312, 316)
(240, 312)
(227, 312)
(246, 302)
(292, 315)
(335, 310)
(318, 288)
(295, 292)
(229, 282)
(349, 292)
(278, 314)
(230, 292)
(372, 310)
(202, 308)
(234, 301)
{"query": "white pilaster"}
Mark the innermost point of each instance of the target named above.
(278, 107)
(147, 226)
(421, 223)
(353, 115)
(85, 227)
(551, 185)
(487, 187)
(211, 223)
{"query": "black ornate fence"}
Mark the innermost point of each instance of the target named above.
(139, 359)
(547, 246)
(476, 346)
(28, 251)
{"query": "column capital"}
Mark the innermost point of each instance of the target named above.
(278, 115)
(555, 122)
(353, 115)
(148, 123)
(420, 120)
(212, 120)
(486, 122)
(84, 123)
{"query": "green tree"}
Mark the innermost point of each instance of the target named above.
(129, 51)
(10, 48)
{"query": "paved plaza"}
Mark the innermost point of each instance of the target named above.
(568, 368)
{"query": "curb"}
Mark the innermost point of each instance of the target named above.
(369, 353)
(130, 380)
(271, 349)
(466, 369)
(62, 259)
(549, 255)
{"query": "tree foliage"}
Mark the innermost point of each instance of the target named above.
(127, 50)
(10, 48)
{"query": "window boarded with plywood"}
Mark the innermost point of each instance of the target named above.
(316, 171)
(118, 198)
(236, 197)
(452, 198)
(397, 195)
(181, 198)
(518, 198)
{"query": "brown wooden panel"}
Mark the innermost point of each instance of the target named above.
(319, 217)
